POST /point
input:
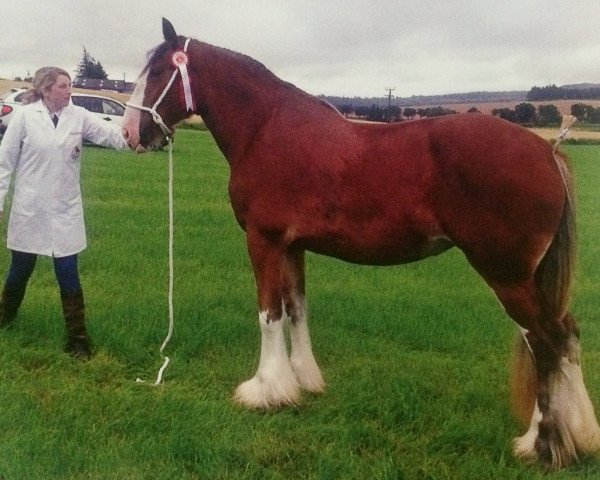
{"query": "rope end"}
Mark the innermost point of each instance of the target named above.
(565, 128)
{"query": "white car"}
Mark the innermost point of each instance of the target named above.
(106, 108)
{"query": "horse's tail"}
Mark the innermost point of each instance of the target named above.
(554, 275)
(554, 279)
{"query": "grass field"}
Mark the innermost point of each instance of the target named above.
(415, 357)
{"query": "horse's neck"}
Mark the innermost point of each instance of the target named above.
(236, 96)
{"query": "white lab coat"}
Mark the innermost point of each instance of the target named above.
(47, 211)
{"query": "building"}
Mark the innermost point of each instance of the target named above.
(97, 84)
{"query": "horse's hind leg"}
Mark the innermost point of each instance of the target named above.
(303, 361)
(563, 424)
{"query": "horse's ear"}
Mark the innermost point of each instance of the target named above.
(169, 32)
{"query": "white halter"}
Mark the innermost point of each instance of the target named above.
(180, 60)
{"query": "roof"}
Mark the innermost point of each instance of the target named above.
(97, 84)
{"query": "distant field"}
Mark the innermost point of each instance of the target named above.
(564, 106)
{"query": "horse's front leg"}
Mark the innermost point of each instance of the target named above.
(303, 361)
(274, 383)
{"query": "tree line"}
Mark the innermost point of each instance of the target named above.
(525, 114)
(552, 92)
(528, 115)
(546, 115)
(392, 113)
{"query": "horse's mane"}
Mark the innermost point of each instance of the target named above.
(154, 53)
(256, 67)
(249, 64)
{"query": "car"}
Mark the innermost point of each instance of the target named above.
(12, 101)
(104, 107)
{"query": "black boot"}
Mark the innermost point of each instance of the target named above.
(78, 342)
(9, 305)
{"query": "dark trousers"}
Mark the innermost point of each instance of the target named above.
(22, 266)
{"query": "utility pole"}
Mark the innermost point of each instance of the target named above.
(389, 90)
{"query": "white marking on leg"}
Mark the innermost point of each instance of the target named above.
(303, 361)
(524, 446)
(274, 383)
(570, 412)
(570, 405)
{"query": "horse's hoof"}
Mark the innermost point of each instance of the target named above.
(260, 394)
(79, 348)
(309, 377)
(524, 448)
(7, 319)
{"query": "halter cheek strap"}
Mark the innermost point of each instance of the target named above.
(180, 60)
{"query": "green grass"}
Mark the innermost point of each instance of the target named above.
(415, 357)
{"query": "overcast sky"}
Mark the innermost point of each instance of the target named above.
(331, 47)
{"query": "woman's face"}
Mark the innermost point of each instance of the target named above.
(59, 93)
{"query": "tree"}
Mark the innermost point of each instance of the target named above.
(393, 113)
(410, 112)
(582, 111)
(525, 113)
(90, 68)
(505, 113)
(594, 115)
(346, 109)
(548, 115)
(376, 114)
(435, 112)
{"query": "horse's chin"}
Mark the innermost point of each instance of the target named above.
(157, 143)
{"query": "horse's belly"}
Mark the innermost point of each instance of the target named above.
(372, 251)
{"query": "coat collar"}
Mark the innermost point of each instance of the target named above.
(40, 107)
(45, 116)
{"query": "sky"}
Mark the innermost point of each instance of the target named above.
(325, 47)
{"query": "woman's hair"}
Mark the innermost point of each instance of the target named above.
(44, 78)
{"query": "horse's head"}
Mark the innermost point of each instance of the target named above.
(162, 95)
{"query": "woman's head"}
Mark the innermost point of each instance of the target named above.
(52, 84)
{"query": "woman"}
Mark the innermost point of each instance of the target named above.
(42, 147)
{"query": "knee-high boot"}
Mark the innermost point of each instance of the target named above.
(78, 342)
(10, 301)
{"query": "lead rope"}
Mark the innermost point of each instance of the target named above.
(171, 274)
(565, 129)
(180, 60)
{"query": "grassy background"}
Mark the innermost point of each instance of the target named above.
(415, 356)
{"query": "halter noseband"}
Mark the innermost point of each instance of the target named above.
(180, 60)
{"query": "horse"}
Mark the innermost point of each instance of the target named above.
(305, 178)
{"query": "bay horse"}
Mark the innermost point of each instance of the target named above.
(303, 177)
